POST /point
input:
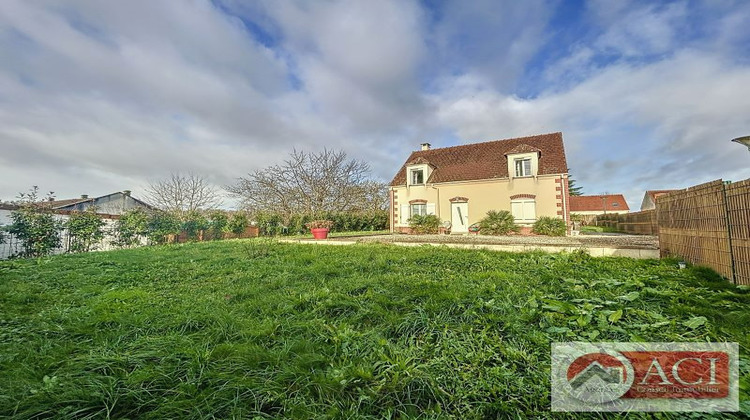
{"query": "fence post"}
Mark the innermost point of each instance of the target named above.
(729, 232)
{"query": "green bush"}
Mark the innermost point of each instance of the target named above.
(498, 223)
(161, 225)
(193, 223)
(218, 222)
(550, 226)
(35, 225)
(237, 223)
(131, 227)
(85, 229)
(272, 223)
(39, 231)
(423, 224)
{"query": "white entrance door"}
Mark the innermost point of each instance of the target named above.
(460, 217)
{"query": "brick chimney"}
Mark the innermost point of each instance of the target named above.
(426, 146)
(84, 196)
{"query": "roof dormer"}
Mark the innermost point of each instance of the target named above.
(523, 161)
(418, 171)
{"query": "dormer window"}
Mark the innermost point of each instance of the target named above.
(523, 167)
(523, 161)
(417, 176)
(418, 172)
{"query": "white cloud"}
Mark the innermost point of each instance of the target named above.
(103, 96)
(628, 128)
(634, 30)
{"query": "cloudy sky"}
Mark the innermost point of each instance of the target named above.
(101, 96)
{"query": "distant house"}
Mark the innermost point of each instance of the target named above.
(589, 206)
(527, 176)
(115, 203)
(649, 199)
(5, 210)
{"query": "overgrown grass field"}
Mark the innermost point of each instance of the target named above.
(260, 329)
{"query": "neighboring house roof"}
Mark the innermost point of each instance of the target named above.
(487, 160)
(613, 202)
(655, 193)
(649, 199)
(63, 203)
(72, 202)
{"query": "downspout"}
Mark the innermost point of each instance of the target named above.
(566, 216)
(393, 211)
(437, 205)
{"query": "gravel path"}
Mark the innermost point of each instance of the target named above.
(609, 240)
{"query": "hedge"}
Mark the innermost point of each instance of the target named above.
(272, 224)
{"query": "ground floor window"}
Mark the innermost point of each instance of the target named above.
(524, 211)
(419, 209)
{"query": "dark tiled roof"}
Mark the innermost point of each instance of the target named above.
(487, 160)
(418, 161)
(614, 202)
(523, 148)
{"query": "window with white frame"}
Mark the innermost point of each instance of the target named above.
(417, 176)
(523, 167)
(419, 209)
(524, 211)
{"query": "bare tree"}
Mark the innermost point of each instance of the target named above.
(182, 193)
(312, 182)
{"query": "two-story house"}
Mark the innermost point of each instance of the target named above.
(527, 176)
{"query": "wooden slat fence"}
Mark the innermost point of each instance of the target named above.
(638, 223)
(738, 209)
(708, 225)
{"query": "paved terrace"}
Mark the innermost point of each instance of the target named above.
(633, 246)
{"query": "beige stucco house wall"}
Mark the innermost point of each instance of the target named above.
(539, 193)
(483, 196)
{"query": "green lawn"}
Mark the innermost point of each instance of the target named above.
(599, 229)
(255, 328)
(342, 234)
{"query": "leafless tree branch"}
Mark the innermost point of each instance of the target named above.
(182, 193)
(308, 182)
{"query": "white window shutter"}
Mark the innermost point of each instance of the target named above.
(403, 215)
(529, 210)
(430, 208)
(516, 208)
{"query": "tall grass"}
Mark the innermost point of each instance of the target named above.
(255, 328)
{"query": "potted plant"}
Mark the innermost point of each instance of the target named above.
(319, 228)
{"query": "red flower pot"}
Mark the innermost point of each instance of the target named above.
(319, 233)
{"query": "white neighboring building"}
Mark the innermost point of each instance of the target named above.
(649, 199)
(115, 203)
(109, 206)
(5, 210)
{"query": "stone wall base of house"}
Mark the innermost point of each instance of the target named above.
(409, 231)
(524, 231)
